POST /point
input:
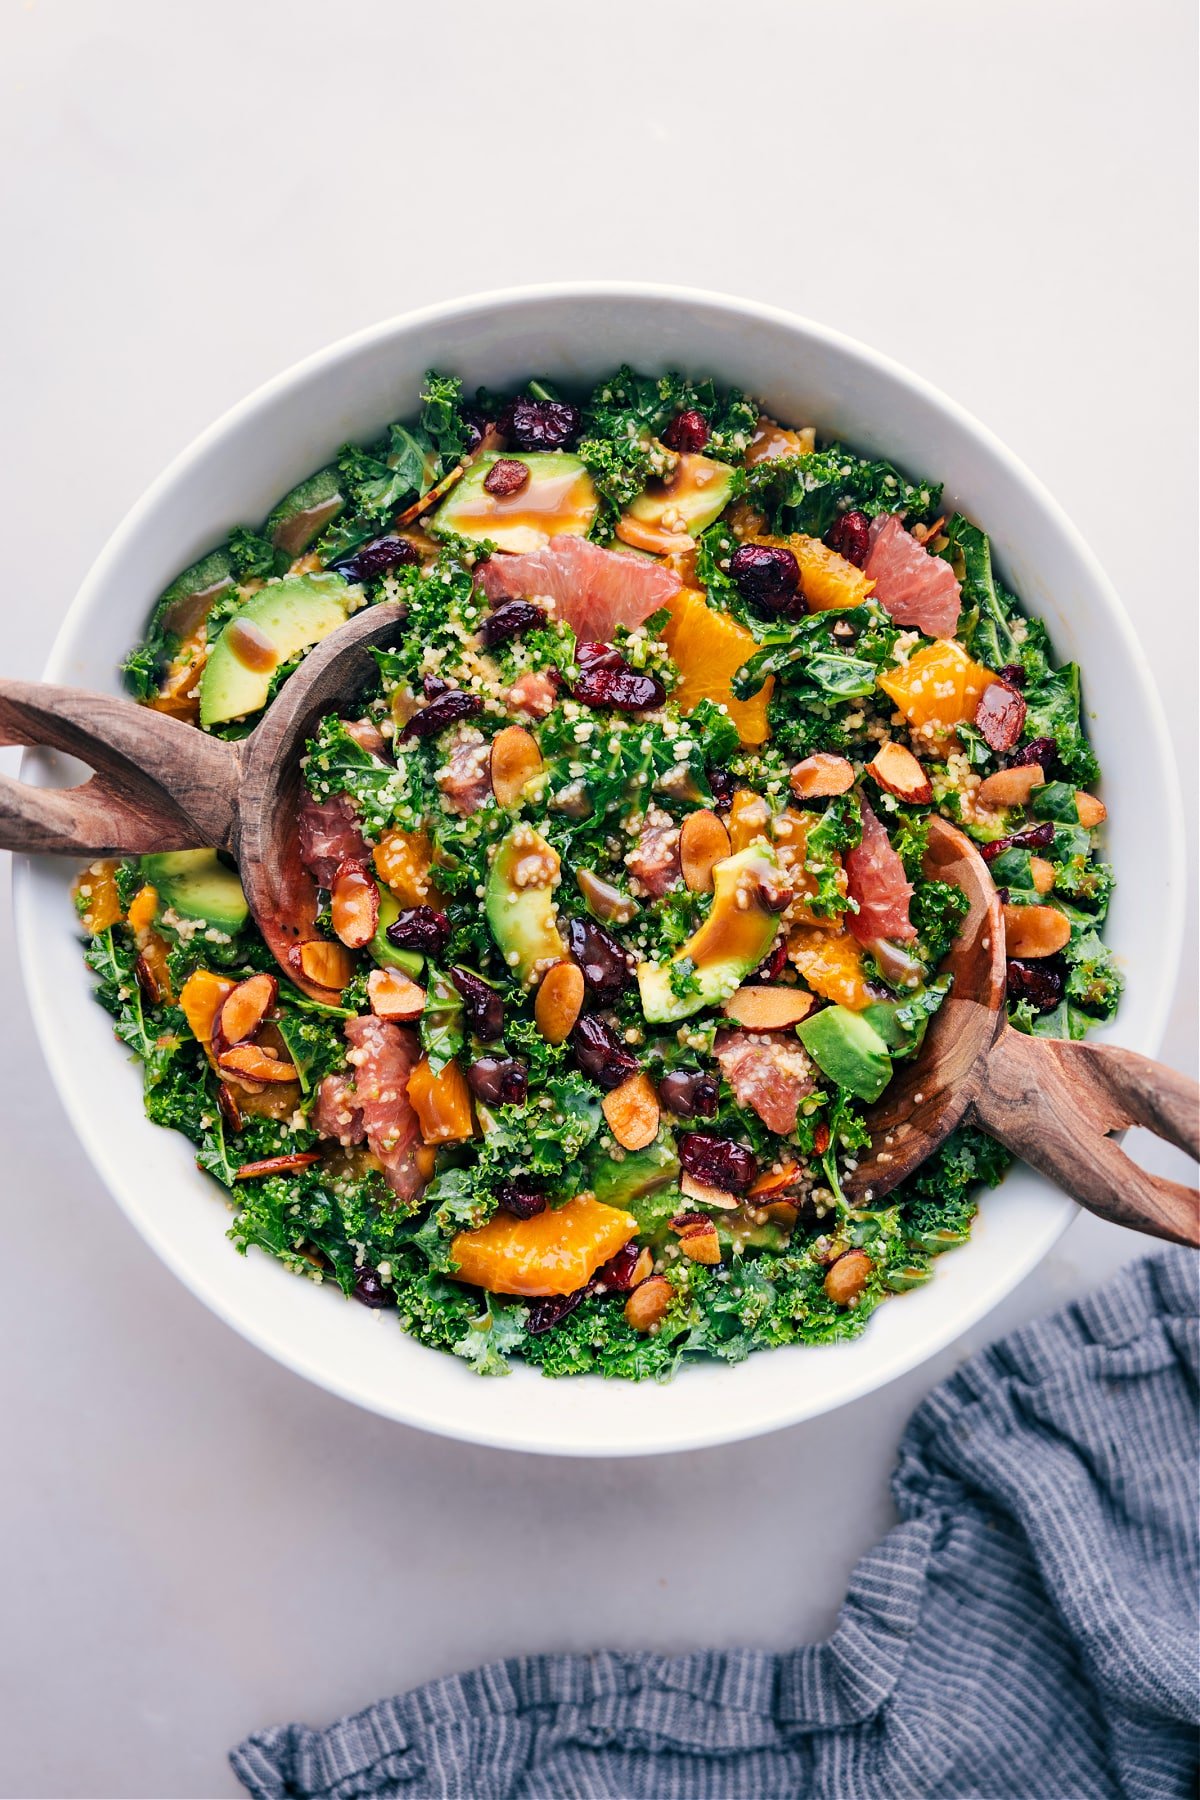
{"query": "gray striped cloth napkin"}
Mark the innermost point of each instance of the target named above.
(1029, 1631)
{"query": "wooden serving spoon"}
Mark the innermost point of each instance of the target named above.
(1051, 1102)
(160, 784)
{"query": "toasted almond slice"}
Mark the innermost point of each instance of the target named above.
(782, 1212)
(703, 842)
(897, 769)
(820, 775)
(326, 965)
(604, 901)
(394, 996)
(227, 1103)
(632, 1112)
(1042, 873)
(559, 1001)
(700, 1243)
(691, 1189)
(1031, 931)
(256, 1064)
(354, 904)
(427, 500)
(775, 1182)
(516, 759)
(643, 1268)
(848, 1277)
(648, 1303)
(768, 1008)
(147, 981)
(243, 1011)
(1010, 787)
(277, 1165)
(1092, 812)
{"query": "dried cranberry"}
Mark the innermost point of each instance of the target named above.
(510, 621)
(446, 710)
(433, 685)
(522, 1203)
(1033, 837)
(689, 1095)
(1043, 751)
(1039, 982)
(775, 964)
(724, 786)
(1014, 674)
(506, 476)
(421, 928)
(498, 1080)
(1000, 716)
(544, 1315)
(600, 1054)
(850, 536)
(530, 424)
(476, 425)
(604, 964)
(767, 577)
(606, 679)
(481, 1003)
(717, 1162)
(616, 1277)
(372, 1291)
(376, 558)
(687, 432)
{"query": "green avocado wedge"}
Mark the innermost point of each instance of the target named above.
(197, 885)
(274, 626)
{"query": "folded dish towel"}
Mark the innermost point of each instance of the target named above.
(1028, 1630)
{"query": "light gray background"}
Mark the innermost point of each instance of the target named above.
(193, 1542)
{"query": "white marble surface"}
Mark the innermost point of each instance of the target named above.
(192, 1541)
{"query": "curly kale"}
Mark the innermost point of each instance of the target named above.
(937, 909)
(630, 406)
(807, 493)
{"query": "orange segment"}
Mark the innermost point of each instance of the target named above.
(555, 1252)
(402, 860)
(791, 830)
(442, 1103)
(142, 909)
(708, 648)
(831, 964)
(749, 818)
(95, 893)
(201, 998)
(938, 688)
(826, 579)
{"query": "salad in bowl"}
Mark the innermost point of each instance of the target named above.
(619, 916)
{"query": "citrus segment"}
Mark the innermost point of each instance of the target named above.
(555, 1252)
(938, 688)
(831, 964)
(709, 648)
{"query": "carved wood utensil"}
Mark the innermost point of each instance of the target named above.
(160, 784)
(1052, 1103)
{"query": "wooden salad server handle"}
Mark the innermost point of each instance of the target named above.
(1052, 1102)
(161, 784)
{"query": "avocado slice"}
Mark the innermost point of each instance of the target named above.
(520, 905)
(197, 885)
(274, 625)
(728, 946)
(901, 1023)
(409, 962)
(558, 499)
(302, 515)
(691, 498)
(848, 1049)
(643, 1182)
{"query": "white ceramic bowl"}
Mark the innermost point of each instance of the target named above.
(804, 373)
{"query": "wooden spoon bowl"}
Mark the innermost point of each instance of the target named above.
(160, 784)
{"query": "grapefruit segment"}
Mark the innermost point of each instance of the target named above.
(917, 589)
(879, 886)
(593, 590)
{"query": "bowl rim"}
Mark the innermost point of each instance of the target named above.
(100, 1147)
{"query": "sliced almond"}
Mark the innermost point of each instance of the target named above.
(703, 842)
(1031, 931)
(768, 1008)
(691, 1189)
(516, 759)
(643, 1268)
(354, 904)
(256, 1064)
(147, 980)
(632, 1112)
(848, 1277)
(227, 1104)
(324, 964)
(242, 1012)
(394, 996)
(700, 1243)
(1042, 873)
(604, 901)
(559, 1002)
(648, 1303)
(1010, 787)
(1092, 812)
(781, 1212)
(897, 769)
(775, 1182)
(821, 775)
(277, 1165)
